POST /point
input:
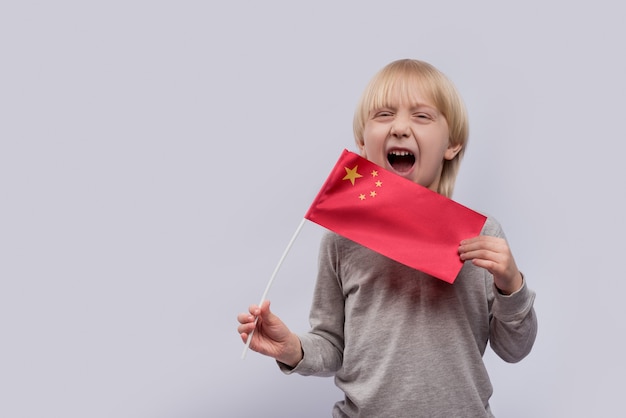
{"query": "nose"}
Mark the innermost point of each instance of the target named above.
(400, 128)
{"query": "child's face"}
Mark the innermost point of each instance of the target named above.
(410, 139)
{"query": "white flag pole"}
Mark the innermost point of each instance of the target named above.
(269, 284)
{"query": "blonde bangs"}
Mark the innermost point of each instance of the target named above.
(396, 86)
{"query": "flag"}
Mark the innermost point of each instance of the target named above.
(394, 216)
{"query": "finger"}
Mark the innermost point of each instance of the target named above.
(477, 253)
(484, 249)
(254, 310)
(265, 312)
(243, 318)
(470, 245)
(475, 240)
(481, 241)
(469, 240)
(244, 337)
(486, 264)
(246, 328)
(265, 306)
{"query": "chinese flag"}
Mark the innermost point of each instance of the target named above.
(394, 216)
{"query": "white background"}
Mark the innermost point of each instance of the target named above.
(156, 157)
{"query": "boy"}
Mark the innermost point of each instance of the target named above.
(399, 342)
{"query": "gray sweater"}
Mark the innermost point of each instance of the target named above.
(403, 344)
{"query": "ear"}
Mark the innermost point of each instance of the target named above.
(361, 144)
(452, 151)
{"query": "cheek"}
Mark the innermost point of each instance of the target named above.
(440, 143)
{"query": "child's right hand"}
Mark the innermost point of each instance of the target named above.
(271, 337)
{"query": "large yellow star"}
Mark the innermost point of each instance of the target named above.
(351, 174)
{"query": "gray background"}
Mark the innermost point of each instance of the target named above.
(156, 157)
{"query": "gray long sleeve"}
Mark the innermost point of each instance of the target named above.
(401, 343)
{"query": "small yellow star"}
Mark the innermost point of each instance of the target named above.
(372, 194)
(351, 174)
(362, 196)
(379, 183)
(374, 173)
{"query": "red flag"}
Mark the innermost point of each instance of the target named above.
(394, 216)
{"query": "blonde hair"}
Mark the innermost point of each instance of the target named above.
(405, 76)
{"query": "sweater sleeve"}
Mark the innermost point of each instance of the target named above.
(323, 344)
(512, 319)
(513, 324)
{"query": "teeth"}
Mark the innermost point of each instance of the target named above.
(400, 153)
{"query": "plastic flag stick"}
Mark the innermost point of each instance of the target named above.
(269, 284)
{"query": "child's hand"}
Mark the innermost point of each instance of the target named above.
(493, 254)
(271, 337)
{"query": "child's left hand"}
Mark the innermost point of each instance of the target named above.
(493, 254)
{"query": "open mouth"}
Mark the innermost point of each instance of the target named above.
(401, 161)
